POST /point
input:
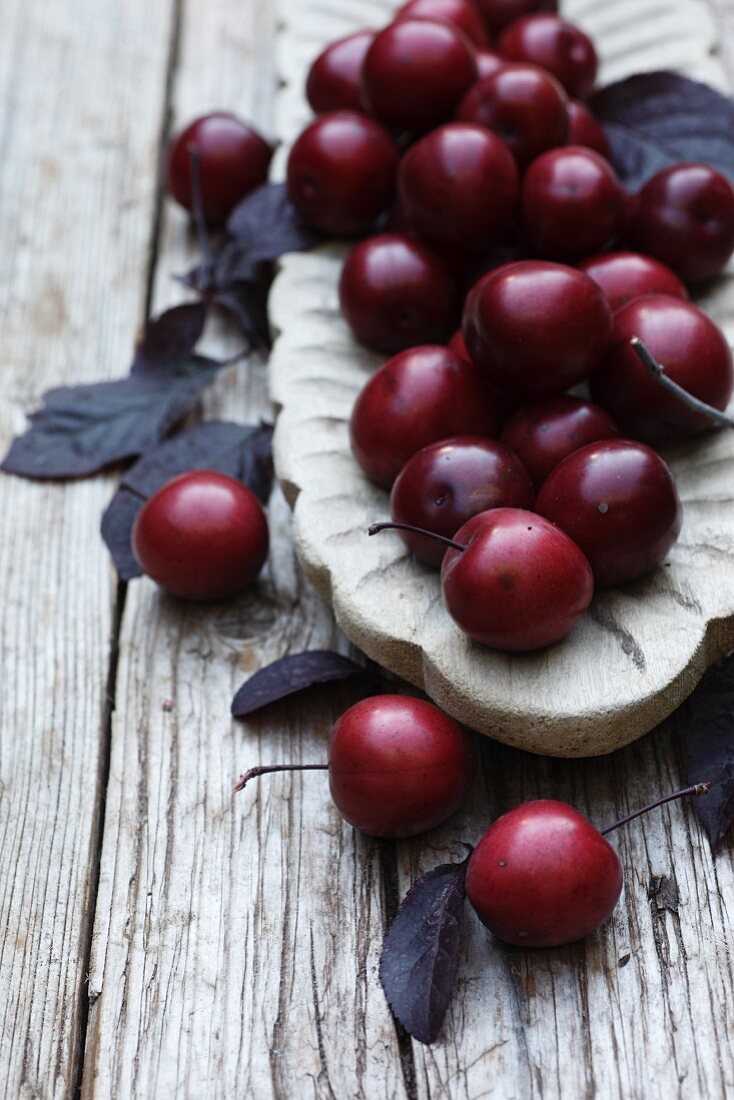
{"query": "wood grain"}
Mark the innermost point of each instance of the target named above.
(236, 940)
(77, 187)
(641, 649)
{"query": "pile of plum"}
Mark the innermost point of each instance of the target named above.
(479, 184)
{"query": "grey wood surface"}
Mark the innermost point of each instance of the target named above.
(157, 938)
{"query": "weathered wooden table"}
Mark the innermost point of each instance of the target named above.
(157, 938)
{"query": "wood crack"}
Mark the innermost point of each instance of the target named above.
(87, 997)
(391, 900)
(324, 1075)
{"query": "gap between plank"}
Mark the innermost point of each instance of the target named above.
(103, 775)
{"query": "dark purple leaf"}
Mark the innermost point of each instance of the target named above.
(239, 450)
(710, 741)
(247, 304)
(246, 301)
(257, 466)
(653, 120)
(169, 341)
(263, 227)
(116, 527)
(420, 955)
(81, 429)
(293, 674)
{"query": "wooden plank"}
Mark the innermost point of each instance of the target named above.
(77, 191)
(236, 942)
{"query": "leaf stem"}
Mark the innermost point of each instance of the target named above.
(253, 773)
(377, 527)
(654, 368)
(696, 789)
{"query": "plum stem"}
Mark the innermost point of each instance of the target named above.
(197, 212)
(263, 769)
(377, 527)
(654, 368)
(696, 789)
